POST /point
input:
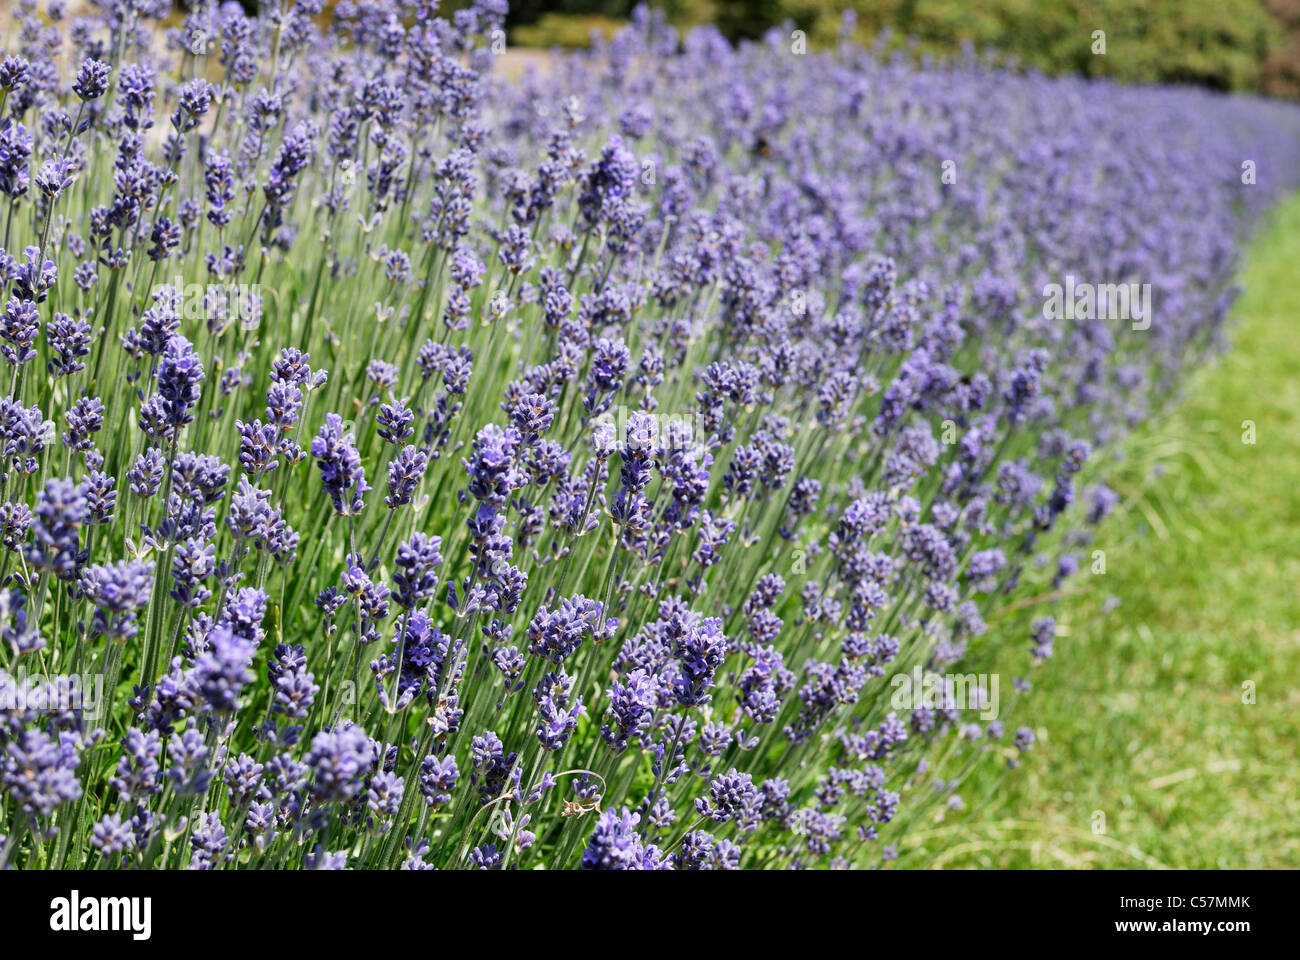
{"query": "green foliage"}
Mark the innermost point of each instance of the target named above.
(1225, 45)
(1220, 45)
(568, 32)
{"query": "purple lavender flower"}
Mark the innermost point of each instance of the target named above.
(340, 760)
(117, 592)
(15, 152)
(616, 845)
(223, 670)
(19, 326)
(555, 635)
(416, 561)
(340, 466)
(92, 79)
(179, 375)
(40, 774)
(61, 511)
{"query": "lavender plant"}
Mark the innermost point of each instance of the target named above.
(431, 470)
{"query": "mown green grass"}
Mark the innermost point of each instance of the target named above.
(1140, 715)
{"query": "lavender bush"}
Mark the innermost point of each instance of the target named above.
(429, 470)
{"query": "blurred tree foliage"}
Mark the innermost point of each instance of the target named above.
(1281, 73)
(1223, 44)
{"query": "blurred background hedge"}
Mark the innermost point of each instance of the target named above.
(1222, 44)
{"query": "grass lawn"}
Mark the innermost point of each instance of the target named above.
(1148, 754)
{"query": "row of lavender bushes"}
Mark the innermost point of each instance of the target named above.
(431, 470)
